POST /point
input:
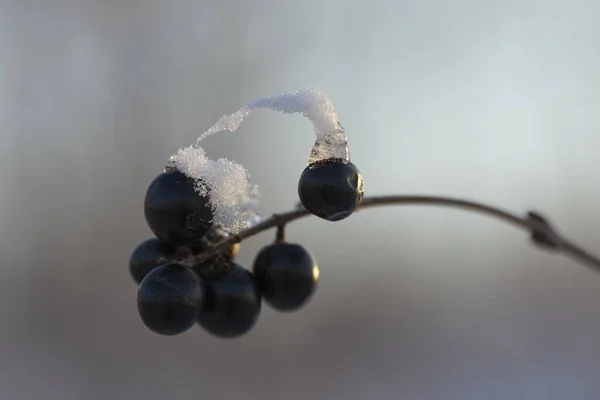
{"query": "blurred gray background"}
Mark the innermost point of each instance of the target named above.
(495, 101)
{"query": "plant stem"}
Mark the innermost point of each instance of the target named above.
(280, 234)
(540, 230)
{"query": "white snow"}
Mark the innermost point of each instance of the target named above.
(232, 196)
(314, 104)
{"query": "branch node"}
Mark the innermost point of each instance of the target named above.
(542, 233)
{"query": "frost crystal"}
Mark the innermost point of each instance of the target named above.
(233, 198)
(313, 104)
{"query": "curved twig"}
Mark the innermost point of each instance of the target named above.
(542, 233)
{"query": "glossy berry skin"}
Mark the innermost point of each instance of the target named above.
(147, 256)
(232, 303)
(286, 275)
(331, 189)
(175, 212)
(169, 299)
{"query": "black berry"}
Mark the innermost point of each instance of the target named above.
(286, 275)
(331, 189)
(232, 303)
(147, 256)
(169, 299)
(175, 211)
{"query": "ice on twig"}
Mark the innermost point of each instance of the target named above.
(232, 196)
(313, 104)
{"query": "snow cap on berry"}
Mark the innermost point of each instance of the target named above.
(314, 104)
(232, 196)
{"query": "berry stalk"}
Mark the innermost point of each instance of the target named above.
(541, 232)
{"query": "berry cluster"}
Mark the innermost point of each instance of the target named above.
(176, 292)
(200, 209)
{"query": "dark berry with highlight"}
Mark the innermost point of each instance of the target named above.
(175, 211)
(331, 189)
(232, 303)
(286, 274)
(148, 255)
(169, 299)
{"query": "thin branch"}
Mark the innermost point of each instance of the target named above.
(537, 226)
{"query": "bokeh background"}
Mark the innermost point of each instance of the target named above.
(490, 100)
